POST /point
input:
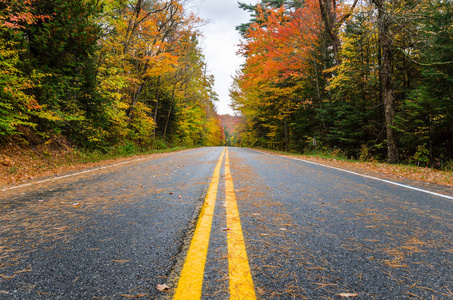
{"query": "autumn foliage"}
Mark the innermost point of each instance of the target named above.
(101, 73)
(369, 79)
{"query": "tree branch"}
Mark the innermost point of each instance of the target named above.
(346, 16)
(424, 64)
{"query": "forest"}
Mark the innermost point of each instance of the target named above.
(367, 79)
(101, 73)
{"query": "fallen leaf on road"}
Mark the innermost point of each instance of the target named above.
(120, 261)
(180, 197)
(76, 204)
(348, 295)
(171, 193)
(7, 277)
(42, 293)
(162, 287)
(106, 240)
(225, 229)
(22, 271)
(134, 296)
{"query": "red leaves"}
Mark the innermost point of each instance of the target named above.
(17, 14)
(280, 45)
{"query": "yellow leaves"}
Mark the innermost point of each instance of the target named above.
(142, 122)
(48, 115)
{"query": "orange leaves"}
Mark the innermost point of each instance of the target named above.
(160, 64)
(18, 14)
(280, 50)
(280, 45)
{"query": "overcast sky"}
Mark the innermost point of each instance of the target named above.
(220, 43)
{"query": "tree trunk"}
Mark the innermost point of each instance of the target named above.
(169, 113)
(137, 93)
(385, 75)
(286, 135)
(166, 123)
(329, 16)
(157, 105)
(332, 22)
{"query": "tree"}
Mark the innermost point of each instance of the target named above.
(279, 50)
(385, 75)
(102, 72)
(333, 17)
(424, 121)
(17, 104)
(266, 4)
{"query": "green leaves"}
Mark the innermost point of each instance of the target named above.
(16, 105)
(102, 72)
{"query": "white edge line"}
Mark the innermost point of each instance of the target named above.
(85, 171)
(71, 175)
(369, 177)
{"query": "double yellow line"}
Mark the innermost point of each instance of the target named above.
(190, 282)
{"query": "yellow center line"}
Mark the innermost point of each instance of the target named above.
(191, 280)
(241, 283)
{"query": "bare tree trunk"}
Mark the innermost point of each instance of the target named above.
(157, 105)
(286, 135)
(169, 113)
(166, 123)
(385, 75)
(137, 93)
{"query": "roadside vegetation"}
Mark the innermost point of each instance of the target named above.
(103, 75)
(83, 81)
(397, 172)
(21, 163)
(371, 80)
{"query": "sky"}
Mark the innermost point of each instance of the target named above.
(220, 44)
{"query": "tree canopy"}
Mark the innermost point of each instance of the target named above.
(370, 79)
(102, 72)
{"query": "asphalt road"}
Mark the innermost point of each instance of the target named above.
(310, 232)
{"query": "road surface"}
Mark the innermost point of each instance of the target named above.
(224, 223)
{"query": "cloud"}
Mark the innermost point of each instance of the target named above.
(220, 44)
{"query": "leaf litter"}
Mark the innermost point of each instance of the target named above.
(162, 287)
